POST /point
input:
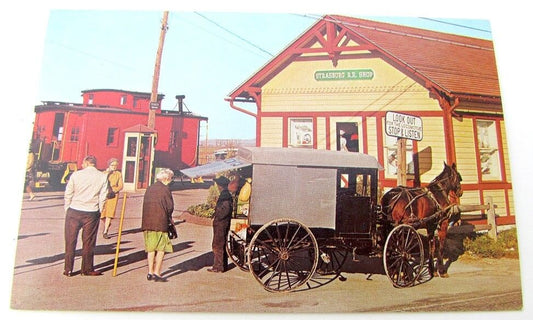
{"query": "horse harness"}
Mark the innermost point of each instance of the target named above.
(439, 215)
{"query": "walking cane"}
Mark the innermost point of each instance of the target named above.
(119, 233)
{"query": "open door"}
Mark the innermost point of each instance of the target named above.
(138, 158)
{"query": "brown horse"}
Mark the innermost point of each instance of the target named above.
(429, 208)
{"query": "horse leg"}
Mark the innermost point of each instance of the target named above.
(442, 231)
(431, 251)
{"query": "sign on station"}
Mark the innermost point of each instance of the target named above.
(403, 126)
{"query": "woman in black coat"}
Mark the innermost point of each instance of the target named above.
(158, 206)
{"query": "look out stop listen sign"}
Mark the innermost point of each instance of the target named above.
(403, 126)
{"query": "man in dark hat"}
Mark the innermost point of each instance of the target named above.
(221, 224)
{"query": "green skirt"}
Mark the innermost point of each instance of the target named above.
(157, 241)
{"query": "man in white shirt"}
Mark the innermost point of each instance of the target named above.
(85, 195)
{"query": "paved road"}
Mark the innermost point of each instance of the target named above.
(482, 285)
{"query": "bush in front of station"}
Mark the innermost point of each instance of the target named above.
(505, 246)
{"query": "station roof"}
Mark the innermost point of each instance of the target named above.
(455, 65)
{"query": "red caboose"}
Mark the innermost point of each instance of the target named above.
(112, 124)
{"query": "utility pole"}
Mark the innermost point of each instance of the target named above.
(154, 103)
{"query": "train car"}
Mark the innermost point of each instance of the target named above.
(111, 124)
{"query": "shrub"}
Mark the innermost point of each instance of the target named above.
(206, 209)
(483, 246)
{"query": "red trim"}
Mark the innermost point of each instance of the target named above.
(500, 149)
(365, 134)
(328, 133)
(285, 137)
(312, 114)
(379, 134)
(314, 133)
(476, 149)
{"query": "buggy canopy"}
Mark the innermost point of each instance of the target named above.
(286, 157)
(308, 157)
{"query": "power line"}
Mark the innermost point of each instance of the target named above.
(234, 34)
(456, 25)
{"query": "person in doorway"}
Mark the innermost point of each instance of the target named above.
(158, 206)
(342, 137)
(221, 225)
(30, 175)
(85, 195)
(114, 178)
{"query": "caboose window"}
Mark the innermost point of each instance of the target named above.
(74, 134)
(123, 100)
(112, 136)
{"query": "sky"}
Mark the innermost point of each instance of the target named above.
(205, 56)
(49, 55)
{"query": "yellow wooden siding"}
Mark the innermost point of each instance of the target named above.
(321, 133)
(498, 198)
(372, 136)
(465, 149)
(511, 202)
(271, 131)
(472, 198)
(432, 151)
(294, 89)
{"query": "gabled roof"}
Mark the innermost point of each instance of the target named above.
(454, 65)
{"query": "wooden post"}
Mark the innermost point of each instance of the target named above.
(401, 153)
(491, 219)
(119, 233)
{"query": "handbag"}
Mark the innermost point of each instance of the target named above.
(110, 193)
(171, 230)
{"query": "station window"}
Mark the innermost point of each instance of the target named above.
(301, 133)
(489, 155)
(112, 139)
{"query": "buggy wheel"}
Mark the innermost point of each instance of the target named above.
(236, 250)
(403, 256)
(331, 260)
(283, 255)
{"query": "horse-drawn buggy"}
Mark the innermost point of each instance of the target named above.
(309, 210)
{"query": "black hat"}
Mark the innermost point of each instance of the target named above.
(222, 181)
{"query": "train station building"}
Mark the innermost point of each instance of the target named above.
(345, 80)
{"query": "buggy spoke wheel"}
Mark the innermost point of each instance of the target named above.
(283, 255)
(403, 256)
(236, 250)
(331, 260)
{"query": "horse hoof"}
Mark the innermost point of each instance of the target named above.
(444, 275)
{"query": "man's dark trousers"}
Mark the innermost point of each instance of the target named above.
(89, 222)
